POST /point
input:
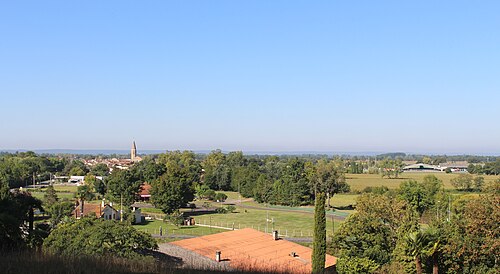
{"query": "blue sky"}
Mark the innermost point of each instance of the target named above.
(412, 76)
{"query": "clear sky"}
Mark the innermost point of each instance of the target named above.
(411, 76)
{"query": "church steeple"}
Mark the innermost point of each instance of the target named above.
(133, 152)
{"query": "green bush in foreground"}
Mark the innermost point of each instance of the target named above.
(354, 265)
(91, 236)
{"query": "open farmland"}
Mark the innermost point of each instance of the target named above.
(358, 182)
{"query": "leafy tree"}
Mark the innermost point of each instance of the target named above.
(417, 243)
(58, 211)
(374, 230)
(217, 172)
(91, 236)
(169, 191)
(100, 187)
(100, 170)
(263, 191)
(221, 197)
(355, 168)
(84, 193)
(328, 177)
(244, 179)
(148, 170)
(478, 183)
(492, 168)
(463, 182)
(293, 187)
(50, 196)
(91, 182)
(390, 168)
(319, 237)
(201, 191)
(420, 195)
(122, 187)
(355, 265)
(17, 219)
(210, 195)
(176, 218)
(470, 241)
(76, 168)
(175, 188)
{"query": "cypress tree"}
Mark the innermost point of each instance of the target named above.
(319, 240)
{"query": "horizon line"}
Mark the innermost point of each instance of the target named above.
(248, 152)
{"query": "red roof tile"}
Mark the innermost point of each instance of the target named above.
(249, 249)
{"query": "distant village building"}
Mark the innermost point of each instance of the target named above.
(251, 250)
(144, 193)
(115, 163)
(133, 153)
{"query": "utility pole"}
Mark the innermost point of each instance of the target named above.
(121, 208)
(267, 218)
(449, 208)
(333, 226)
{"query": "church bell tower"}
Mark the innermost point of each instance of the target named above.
(133, 152)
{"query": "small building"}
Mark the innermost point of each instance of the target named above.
(422, 168)
(138, 218)
(458, 166)
(251, 250)
(109, 213)
(80, 179)
(144, 193)
(101, 210)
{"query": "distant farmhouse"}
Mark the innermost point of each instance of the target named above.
(103, 210)
(460, 166)
(251, 250)
(144, 193)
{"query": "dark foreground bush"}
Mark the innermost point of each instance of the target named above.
(27, 262)
(39, 262)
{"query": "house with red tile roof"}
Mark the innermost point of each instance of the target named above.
(101, 210)
(251, 250)
(144, 193)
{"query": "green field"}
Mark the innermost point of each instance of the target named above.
(61, 195)
(360, 181)
(293, 224)
(63, 192)
(65, 188)
(153, 227)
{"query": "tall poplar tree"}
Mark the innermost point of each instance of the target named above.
(319, 241)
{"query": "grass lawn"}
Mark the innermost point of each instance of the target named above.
(61, 195)
(65, 188)
(293, 224)
(153, 227)
(360, 181)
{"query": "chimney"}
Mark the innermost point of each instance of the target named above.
(275, 235)
(293, 254)
(217, 256)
